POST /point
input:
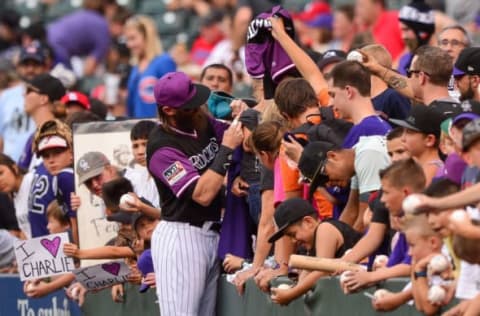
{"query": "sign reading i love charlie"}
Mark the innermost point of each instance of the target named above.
(102, 275)
(42, 257)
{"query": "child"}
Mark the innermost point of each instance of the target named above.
(422, 137)
(395, 146)
(296, 218)
(57, 221)
(137, 172)
(398, 181)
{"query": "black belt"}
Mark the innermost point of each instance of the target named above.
(216, 226)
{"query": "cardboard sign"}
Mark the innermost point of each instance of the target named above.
(102, 275)
(42, 257)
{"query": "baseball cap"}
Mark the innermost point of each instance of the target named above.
(312, 161)
(91, 165)
(176, 90)
(470, 134)
(420, 17)
(48, 85)
(289, 212)
(313, 10)
(331, 56)
(322, 21)
(145, 265)
(34, 51)
(52, 141)
(77, 98)
(423, 119)
(468, 62)
(250, 118)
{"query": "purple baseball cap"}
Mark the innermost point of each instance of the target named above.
(468, 116)
(322, 21)
(176, 90)
(145, 265)
(457, 72)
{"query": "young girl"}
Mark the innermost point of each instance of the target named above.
(57, 221)
(149, 65)
(14, 181)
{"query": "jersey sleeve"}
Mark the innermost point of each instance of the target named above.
(174, 169)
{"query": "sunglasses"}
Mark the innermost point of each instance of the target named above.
(410, 72)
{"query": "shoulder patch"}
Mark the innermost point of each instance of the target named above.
(174, 173)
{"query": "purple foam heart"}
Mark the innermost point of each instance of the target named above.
(51, 245)
(112, 268)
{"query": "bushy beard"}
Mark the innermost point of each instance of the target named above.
(189, 121)
(467, 95)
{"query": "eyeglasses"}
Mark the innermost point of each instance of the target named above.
(410, 72)
(453, 43)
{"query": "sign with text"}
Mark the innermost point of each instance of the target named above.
(102, 275)
(43, 257)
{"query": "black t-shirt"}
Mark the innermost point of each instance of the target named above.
(350, 236)
(266, 178)
(380, 212)
(250, 168)
(8, 220)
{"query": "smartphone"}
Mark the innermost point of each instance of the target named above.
(299, 140)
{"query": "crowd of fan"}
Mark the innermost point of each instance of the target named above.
(348, 132)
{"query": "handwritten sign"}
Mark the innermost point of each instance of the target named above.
(43, 257)
(102, 275)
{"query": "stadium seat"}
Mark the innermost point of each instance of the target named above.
(151, 7)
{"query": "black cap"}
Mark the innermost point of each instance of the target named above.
(418, 16)
(469, 61)
(423, 119)
(48, 85)
(289, 212)
(470, 134)
(34, 51)
(250, 118)
(331, 56)
(311, 163)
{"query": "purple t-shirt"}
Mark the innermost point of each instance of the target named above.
(453, 168)
(400, 252)
(369, 126)
(81, 33)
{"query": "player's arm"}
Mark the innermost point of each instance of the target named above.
(368, 243)
(104, 252)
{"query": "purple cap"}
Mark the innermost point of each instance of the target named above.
(176, 90)
(322, 21)
(465, 116)
(145, 265)
(457, 72)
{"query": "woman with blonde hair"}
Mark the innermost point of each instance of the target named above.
(149, 64)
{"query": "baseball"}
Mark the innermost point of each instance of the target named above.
(75, 292)
(436, 294)
(380, 260)
(410, 204)
(355, 56)
(380, 293)
(126, 198)
(30, 287)
(284, 286)
(458, 216)
(345, 276)
(438, 264)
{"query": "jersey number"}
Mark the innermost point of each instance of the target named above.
(39, 190)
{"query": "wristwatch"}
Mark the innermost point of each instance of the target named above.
(420, 274)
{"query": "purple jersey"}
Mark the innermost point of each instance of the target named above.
(400, 252)
(369, 126)
(45, 188)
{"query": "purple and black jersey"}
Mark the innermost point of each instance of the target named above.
(45, 188)
(177, 160)
(369, 126)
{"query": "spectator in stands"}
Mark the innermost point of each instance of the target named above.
(217, 77)
(83, 33)
(149, 65)
(57, 221)
(75, 102)
(211, 34)
(17, 183)
(16, 124)
(467, 74)
(344, 28)
(9, 32)
(373, 17)
(453, 39)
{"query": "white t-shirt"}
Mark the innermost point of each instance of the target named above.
(370, 157)
(20, 200)
(143, 184)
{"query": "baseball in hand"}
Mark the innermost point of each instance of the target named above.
(355, 56)
(380, 293)
(438, 264)
(436, 294)
(284, 286)
(459, 216)
(75, 292)
(410, 204)
(345, 276)
(380, 260)
(30, 287)
(126, 199)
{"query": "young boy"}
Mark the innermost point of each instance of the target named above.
(57, 221)
(398, 181)
(137, 172)
(296, 218)
(422, 137)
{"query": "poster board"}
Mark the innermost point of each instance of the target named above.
(102, 275)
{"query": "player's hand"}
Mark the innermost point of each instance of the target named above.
(70, 250)
(280, 296)
(293, 149)
(117, 293)
(239, 187)
(75, 201)
(238, 106)
(357, 280)
(149, 279)
(134, 205)
(233, 136)
(242, 278)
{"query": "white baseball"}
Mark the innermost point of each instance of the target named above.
(380, 293)
(284, 286)
(75, 292)
(410, 204)
(126, 198)
(459, 216)
(355, 56)
(436, 294)
(345, 276)
(30, 287)
(380, 260)
(438, 264)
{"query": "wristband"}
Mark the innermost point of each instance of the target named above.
(222, 160)
(420, 274)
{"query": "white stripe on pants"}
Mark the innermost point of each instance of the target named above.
(186, 269)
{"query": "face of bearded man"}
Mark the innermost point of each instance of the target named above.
(190, 120)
